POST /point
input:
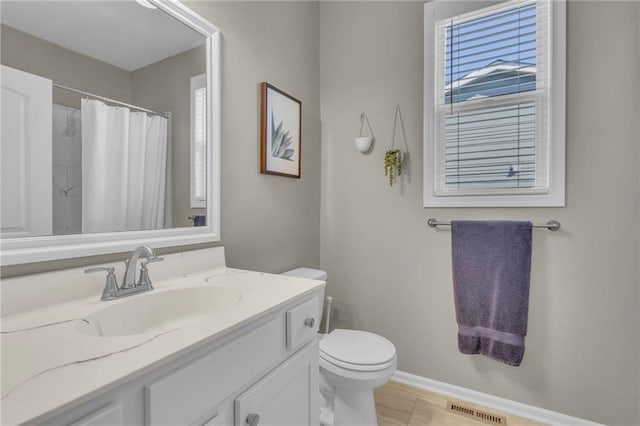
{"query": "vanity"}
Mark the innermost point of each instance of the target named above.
(209, 345)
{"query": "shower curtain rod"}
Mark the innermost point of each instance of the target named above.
(113, 101)
(552, 225)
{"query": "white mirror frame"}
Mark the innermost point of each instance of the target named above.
(37, 249)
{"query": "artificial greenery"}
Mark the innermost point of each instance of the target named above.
(392, 164)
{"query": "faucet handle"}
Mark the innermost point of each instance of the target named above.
(110, 270)
(144, 272)
(111, 285)
(151, 260)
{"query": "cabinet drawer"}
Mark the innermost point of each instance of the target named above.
(188, 393)
(110, 415)
(302, 323)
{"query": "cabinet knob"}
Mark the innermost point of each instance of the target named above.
(309, 322)
(253, 419)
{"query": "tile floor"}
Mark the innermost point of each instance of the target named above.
(402, 405)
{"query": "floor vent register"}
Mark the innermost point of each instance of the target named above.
(474, 413)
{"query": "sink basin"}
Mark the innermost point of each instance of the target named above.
(159, 311)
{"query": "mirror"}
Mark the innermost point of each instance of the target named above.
(110, 127)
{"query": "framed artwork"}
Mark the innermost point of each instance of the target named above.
(280, 132)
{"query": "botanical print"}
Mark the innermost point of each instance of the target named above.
(280, 133)
(280, 141)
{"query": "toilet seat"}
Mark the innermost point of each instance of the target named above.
(356, 367)
(357, 350)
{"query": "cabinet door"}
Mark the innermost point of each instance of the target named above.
(288, 396)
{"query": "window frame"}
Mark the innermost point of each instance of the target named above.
(554, 196)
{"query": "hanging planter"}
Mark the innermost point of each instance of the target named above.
(392, 164)
(363, 143)
(394, 157)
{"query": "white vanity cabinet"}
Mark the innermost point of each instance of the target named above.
(264, 373)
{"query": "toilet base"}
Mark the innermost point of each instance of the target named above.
(326, 416)
(352, 408)
(346, 399)
(355, 408)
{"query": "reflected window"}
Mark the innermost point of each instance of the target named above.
(199, 141)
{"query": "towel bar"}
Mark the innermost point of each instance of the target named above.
(552, 225)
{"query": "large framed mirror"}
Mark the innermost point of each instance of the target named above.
(110, 128)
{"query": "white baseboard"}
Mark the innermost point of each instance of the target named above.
(503, 405)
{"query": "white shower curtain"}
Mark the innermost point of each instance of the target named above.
(124, 168)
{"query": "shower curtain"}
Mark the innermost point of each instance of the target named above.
(124, 168)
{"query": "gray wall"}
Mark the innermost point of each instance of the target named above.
(269, 223)
(391, 274)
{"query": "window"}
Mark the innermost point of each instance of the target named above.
(494, 104)
(199, 141)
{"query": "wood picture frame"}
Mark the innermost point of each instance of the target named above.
(280, 132)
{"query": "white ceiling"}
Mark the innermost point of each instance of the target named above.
(119, 32)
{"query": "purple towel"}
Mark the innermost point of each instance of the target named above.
(200, 220)
(491, 272)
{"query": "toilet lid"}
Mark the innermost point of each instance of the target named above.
(357, 347)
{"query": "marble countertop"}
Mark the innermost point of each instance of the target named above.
(49, 367)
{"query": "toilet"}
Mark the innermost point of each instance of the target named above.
(352, 364)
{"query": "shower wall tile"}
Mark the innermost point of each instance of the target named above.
(67, 170)
(59, 180)
(74, 181)
(75, 212)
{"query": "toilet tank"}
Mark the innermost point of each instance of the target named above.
(314, 274)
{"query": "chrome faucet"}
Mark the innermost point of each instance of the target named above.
(129, 280)
(129, 285)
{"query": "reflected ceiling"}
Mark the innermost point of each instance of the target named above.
(108, 29)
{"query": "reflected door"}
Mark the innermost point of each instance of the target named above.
(25, 146)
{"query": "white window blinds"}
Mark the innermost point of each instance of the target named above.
(491, 100)
(198, 141)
